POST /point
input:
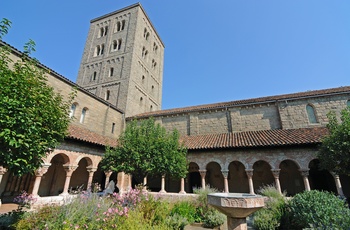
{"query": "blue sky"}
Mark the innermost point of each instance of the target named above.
(215, 51)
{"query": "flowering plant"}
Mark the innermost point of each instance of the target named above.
(24, 200)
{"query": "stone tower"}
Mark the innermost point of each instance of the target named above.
(123, 61)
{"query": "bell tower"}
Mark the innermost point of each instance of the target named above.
(123, 61)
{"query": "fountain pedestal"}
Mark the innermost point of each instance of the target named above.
(236, 206)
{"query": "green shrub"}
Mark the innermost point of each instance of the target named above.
(208, 215)
(317, 210)
(176, 221)
(8, 220)
(213, 218)
(271, 215)
(186, 209)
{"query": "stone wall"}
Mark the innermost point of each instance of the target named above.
(288, 114)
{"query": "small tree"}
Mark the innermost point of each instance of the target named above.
(33, 118)
(334, 153)
(144, 149)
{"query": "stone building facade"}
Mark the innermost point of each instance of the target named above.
(235, 146)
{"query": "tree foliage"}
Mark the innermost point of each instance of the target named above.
(334, 154)
(146, 148)
(33, 118)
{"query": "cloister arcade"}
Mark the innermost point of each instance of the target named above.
(63, 172)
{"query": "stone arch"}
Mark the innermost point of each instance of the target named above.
(321, 179)
(90, 162)
(52, 182)
(237, 178)
(262, 174)
(99, 177)
(290, 177)
(194, 179)
(80, 176)
(214, 177)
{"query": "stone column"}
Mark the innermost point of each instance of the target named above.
(69, 171)
(144, 183)
(162, 190)
(305, 174)
(276, 175)
(38, 175)
(108, 175)
(122, 189)
(250, 180)
(338, 184)
(225, 174)
(130, 181)
(182, 186)
(203, 172)
(91, 175)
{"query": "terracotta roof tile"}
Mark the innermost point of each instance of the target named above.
(259, 100)
(82, 134)
(263, 138)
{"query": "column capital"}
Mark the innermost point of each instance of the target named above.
(70, 169)
(249, 172)
(225, 173)
(202, 172)
(276, 172)
(42, 170)
(91, 170)
(304, 172)
(108, 173)
(2, 170)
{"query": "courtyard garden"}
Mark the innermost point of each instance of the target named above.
(139, 209)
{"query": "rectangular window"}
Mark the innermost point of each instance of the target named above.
(113, 126)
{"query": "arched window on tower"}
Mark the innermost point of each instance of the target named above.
(83, 115)
(102, 32)
(311, 114)
(116, 44)
(72, 110)
(108, 93)
(102, 49)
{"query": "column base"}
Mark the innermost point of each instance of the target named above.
(162, 191)
(182, 192)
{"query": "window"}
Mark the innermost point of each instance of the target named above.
(145, 34)
(108, 95)
(144, 52)
(94, 75)
(120, 26)
(116, 44)
(103, 31)
(111, 72)
(72, 110)
(151, 108)
(311, 114)
(154, 64)
(113, 126)
(143, 79)
(155, 47)
(83, 115)
(99, 50)
(348, 103)
(102, 49)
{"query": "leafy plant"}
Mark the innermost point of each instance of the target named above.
(186, 209)
(34, 118)
(176, 221)
(317, 210)
(213, 218)
(334, 152)
(271, 215)
(146, 148)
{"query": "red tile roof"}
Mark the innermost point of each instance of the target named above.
(259, 100)
(263, 138)
(82, 134)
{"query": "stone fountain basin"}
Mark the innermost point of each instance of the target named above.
(236, 205)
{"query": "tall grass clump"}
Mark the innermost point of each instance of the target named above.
(317, 210)
(271, 215)
(209, 216)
